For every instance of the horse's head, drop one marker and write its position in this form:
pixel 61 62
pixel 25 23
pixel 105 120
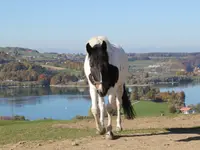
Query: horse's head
pixel 100 68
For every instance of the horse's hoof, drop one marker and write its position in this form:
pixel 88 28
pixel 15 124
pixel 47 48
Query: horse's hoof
pixel 101 132
pixel 109 136
pixel 118 129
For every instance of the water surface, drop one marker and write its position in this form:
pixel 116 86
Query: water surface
pixel 63 103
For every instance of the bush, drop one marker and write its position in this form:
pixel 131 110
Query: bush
pixel 79 117
pixel 172 109
pixel 17 117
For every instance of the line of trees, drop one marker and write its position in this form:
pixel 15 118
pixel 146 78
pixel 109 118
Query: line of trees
pixel 176 100
pixel 29 72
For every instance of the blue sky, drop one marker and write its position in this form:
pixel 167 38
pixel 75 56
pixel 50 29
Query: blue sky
pixel 67 24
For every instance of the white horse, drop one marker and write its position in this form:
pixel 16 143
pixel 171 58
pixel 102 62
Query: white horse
pixel 106 69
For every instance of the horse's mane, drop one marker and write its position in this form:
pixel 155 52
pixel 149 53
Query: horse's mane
pixel 97 40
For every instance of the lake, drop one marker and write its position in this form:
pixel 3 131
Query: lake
pixel 63 103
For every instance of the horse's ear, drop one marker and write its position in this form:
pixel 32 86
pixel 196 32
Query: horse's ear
pixel 88 48
pixel 104 45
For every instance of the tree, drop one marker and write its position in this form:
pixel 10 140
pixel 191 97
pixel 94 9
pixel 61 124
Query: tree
pixel 197 108
pixel 134 94
pixel 172 109
pixel 146 89
pixel 151 94
pixel 182 96
pixel 16 52
pixel 44 80
pixel 146 75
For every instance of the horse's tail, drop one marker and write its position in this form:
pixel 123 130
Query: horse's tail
pixel 129 111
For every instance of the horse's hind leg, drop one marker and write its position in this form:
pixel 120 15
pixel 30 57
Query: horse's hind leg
pixel 94 109
pixel 109 108
pixel 118 104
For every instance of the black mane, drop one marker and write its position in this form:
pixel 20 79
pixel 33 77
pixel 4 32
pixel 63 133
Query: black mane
pixel 99 57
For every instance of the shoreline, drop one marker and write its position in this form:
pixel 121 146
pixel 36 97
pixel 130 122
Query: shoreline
pixel 82 86
pixel 86 85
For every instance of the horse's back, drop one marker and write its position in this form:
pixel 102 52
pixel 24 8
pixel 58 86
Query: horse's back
pixel 118 58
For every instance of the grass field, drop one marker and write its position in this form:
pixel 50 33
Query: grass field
pixel 15 131
pixel 12 132
pixel 149 108
pixel 141 63
pixel 61 69
pixel 53 67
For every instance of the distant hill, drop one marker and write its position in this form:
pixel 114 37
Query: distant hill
pixel 27 53
pixel 191 59
pixel 17 51
pixel 4 57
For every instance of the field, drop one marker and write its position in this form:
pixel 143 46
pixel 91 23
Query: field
pixel 139 64
pixel 174 132
pixel 53 67
pixel 62 69
pixel 148 108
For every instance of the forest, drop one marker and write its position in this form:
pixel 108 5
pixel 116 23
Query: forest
pixel 30 72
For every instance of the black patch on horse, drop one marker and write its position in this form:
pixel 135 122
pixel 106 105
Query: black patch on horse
pixel 99 63
pixel 113 74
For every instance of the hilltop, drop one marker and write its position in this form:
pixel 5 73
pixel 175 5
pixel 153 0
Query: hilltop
pixel 192 58
pixel 21 51
pixel 16 51
pixel 176 132
pixel 26 53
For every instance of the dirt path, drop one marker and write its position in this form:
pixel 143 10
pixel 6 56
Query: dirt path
pixel 143 123
pixel 176 139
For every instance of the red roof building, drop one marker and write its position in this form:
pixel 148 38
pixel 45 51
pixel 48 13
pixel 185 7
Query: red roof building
pixel 185 110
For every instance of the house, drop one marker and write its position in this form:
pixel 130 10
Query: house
pixel 197 70
pixel 186 110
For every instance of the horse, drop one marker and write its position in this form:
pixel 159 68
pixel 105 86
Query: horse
pixel 106 70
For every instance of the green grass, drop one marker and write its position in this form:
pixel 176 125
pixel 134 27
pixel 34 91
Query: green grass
pixel 42 130
pixel 71 71
pixel 63 69
pixel 53 67
pixel 15 131
pixel 142 63
pixel 149 108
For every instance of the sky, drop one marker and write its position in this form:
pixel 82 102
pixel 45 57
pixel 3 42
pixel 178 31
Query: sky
pixel 66 25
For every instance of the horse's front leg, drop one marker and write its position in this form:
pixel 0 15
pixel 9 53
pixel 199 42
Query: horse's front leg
pixel 102 115
pixel 94 109
pixel 109 108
